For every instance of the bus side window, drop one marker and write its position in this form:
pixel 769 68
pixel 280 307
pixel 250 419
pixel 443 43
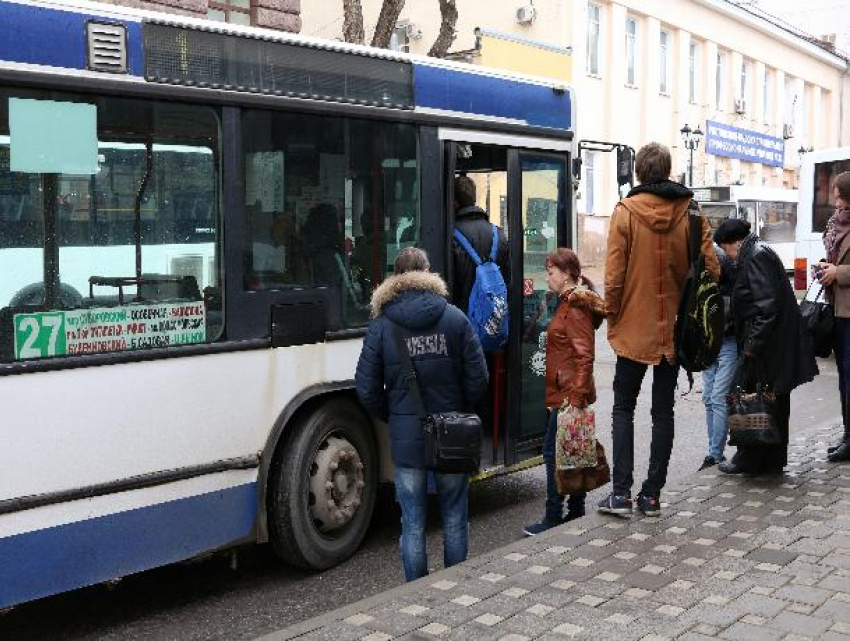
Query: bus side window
pixel 329 204
pixel 87 268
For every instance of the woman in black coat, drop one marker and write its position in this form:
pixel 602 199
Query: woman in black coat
pixel 770 334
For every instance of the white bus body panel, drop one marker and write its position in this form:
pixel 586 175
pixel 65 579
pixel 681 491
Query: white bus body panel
pixel 809 243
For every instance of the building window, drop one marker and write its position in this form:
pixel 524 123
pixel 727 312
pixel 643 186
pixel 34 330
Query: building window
pixel 765 96
pixel 718 81
pixel 399 40
pixel 235 11
pixel 791 100
pixel 589 181
pixel 693 75
pixel 594 14
pixel 804 112
pixel 631 37
pixel 664 63
pixel 745 80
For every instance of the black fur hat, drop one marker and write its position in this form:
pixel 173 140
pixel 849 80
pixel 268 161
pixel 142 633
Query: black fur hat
pixel 731 230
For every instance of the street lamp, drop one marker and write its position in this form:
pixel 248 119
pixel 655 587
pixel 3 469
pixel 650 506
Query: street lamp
pixel 692 138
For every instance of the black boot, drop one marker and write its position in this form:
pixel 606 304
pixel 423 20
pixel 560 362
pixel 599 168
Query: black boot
pixel 841 452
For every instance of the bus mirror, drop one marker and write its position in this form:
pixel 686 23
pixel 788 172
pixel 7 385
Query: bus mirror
pixel 577 169
pixel 625 166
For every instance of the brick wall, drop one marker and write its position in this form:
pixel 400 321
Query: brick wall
pixel 284 15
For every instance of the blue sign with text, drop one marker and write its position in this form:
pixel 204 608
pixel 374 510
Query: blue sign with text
pixel 743 144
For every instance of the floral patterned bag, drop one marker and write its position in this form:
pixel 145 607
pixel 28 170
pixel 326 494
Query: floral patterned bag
pixel 580 464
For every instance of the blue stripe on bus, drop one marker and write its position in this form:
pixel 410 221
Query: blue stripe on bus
pixel 42 36
pixel 475 94
pixel 57 559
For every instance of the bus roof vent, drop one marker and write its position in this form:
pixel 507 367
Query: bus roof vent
pixel 107 47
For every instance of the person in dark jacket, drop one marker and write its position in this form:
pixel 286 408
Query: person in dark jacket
pixel 718 376
pixel 452 375
pixel 770 336
pixel 474 224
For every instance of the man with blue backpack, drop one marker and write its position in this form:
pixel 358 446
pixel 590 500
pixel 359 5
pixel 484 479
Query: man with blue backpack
pixel 481 274
pixel 481 264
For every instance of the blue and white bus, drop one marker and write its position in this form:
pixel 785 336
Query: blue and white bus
pixel 193 216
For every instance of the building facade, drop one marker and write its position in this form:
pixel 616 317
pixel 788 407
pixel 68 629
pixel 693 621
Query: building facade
pixel 283 15
pixel 643 69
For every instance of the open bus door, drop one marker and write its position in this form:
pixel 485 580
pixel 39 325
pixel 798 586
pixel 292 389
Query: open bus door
pixel 528 194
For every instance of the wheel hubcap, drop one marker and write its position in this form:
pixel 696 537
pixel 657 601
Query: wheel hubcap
pixel 336 484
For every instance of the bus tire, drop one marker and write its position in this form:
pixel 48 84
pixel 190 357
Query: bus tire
pixel 323 487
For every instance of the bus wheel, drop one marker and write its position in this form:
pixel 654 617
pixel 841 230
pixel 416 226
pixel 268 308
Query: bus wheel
pixel 323 487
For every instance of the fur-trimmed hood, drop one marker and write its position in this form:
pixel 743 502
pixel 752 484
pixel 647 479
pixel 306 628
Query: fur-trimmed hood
pixel 413 299
pixel 584 298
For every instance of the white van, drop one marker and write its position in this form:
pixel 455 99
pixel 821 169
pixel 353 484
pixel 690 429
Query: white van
pixel 817 171
pixel 772 212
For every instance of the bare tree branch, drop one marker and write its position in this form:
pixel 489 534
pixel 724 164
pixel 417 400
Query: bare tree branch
pixel 352 25
pixel 390 11
pixel 448 12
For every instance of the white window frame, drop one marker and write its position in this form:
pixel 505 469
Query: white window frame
pixel 664 62
pixel 693 73
pixel 745 81
pixel 765 90
pixel 589 181
pixel 631 51
pixel 594 36
pixel 720 80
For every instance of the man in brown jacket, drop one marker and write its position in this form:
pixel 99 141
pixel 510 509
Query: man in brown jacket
pixel 645 271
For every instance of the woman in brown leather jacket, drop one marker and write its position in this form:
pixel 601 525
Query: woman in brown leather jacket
pixel 570 350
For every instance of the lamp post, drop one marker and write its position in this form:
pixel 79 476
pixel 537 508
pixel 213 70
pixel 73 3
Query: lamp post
pixel 692 138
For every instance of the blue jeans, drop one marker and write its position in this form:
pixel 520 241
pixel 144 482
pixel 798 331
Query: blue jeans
pixel 715 385
pixel 554 501
pixel 412 492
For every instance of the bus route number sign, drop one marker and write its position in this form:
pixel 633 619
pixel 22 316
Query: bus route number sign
pixel 39 335
pixel 108 329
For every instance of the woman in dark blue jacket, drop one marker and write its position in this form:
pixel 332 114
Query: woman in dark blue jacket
pixel 452 376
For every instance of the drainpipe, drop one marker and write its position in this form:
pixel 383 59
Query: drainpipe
pixel 841 102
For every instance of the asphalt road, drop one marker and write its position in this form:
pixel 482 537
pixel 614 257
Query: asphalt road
pixel 212 599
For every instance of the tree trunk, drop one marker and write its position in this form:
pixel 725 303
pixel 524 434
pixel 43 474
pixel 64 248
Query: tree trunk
pixel 448 12
pixel 390 11
pixel 352 25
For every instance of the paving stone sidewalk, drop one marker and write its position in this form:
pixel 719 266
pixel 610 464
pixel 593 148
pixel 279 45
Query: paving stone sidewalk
pixel 731 557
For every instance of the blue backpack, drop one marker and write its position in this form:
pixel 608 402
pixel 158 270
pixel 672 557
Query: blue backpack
pixel 488 300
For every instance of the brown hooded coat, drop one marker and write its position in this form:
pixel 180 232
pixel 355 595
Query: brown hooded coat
pixel 645 271
pixel 570 348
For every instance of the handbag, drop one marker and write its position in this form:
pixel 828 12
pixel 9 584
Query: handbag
pixel 452 440
pixel 818 318
pixel 580 463
pixel 752 414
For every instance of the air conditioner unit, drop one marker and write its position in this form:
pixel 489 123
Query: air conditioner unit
pixel 526 14
pixel 740 106
pixel 413 31
pixel 787 130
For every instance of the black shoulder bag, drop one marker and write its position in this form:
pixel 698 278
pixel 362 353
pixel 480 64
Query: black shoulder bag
pixel 452 439
pixel 818 319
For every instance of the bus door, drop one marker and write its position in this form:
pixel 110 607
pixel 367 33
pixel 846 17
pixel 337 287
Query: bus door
pixel 525 193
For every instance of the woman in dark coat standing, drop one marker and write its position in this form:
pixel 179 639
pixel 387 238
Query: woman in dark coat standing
pixel 834 275
pixel 770 335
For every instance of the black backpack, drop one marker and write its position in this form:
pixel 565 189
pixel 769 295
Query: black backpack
pixel 700 321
